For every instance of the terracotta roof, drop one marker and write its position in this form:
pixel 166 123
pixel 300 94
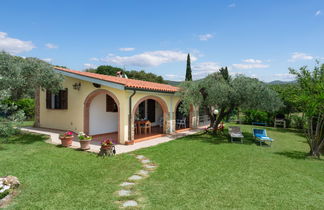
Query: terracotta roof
pixel 130 83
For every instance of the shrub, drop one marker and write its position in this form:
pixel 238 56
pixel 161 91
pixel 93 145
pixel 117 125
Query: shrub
pixel 257 116
pixel 7 129
pixel 28 106
pixel 297 122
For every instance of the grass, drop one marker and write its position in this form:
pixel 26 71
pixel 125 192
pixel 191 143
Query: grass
pixel 206 172
pixel 62 178
pixel 195 172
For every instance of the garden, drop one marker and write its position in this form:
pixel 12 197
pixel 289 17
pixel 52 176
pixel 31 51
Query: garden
pixel 205 170
pixel 195 172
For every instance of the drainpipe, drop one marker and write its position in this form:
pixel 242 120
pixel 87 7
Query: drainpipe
pixel 130 116
pixel 171 115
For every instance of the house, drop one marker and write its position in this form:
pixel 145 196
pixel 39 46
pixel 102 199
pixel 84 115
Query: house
pixel 102 105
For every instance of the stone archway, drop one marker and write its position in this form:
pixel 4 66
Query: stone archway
pixel 162 103
pixel 86 110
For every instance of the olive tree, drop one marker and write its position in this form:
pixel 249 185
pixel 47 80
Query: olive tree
pixel 23 77
pixel 311 98
pixel 225 93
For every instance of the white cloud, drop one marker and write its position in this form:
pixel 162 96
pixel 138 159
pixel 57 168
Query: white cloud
pixel 90 66
pixel 251 60
pixel 201 70
pixel 285 77
pixel 205 37
pixel 14 46
pixel 300 56
pixel 126 49
pixel 48 60
pixel 148 59
pixel 51 46
pixel 94 59
pixel 318 12
pixel 232 5
pixel 251 64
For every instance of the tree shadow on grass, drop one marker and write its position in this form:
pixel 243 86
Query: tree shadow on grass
pixel 23 138
pixel 221 138
pixel 297 155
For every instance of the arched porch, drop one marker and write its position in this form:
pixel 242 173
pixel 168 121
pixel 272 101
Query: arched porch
pixel 149 118
pixel 102 116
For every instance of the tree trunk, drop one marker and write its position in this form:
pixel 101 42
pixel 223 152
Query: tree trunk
pixel 315 135
pixel 37 108
pixel 222 114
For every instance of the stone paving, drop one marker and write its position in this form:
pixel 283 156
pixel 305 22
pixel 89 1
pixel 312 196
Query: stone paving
pixel 132 181
pixel 54 139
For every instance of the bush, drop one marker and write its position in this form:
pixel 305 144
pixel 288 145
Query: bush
pixel 28 106
pixel 257 116
pixel 7 129
pixel 10 126
pixel 297 122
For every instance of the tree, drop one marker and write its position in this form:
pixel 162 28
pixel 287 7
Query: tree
pixel 311 98
pixel 188 69
pixel 108 70
pixel 287 93
pixel 23 77
pixel 132 74
pixel 224 93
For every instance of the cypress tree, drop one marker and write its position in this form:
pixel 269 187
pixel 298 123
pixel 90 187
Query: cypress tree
pixel 188 69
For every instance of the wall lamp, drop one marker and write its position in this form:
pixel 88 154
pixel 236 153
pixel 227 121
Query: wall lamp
pixel 77 86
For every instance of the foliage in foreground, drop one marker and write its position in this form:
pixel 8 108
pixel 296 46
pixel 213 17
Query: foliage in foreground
pixel 311 99
pixel 221 91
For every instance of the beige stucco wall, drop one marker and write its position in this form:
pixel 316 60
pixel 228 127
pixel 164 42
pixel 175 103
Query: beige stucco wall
pixel 73 117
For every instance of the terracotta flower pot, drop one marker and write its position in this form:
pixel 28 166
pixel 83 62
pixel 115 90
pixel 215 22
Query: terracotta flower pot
pixel 85 144
pixel 106 147
pixel 66 141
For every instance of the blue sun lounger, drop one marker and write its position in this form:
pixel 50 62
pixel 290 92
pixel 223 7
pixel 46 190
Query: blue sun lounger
pixel 260 135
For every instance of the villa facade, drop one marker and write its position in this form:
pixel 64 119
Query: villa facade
pixel 101 105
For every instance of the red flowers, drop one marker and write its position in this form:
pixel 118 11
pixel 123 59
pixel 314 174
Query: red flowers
pixel 67 134
pixel 106 142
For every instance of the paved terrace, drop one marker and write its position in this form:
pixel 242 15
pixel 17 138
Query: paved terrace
pixel 54 139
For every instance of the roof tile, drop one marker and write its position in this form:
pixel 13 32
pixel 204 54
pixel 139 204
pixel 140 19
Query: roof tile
pixel 130 83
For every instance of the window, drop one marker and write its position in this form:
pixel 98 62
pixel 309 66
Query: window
pixel 57 101
pixel 111 105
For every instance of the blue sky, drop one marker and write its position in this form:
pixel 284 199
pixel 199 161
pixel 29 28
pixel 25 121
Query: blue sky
pixel 257 38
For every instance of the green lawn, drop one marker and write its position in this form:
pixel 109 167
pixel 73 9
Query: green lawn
pixel 194 172
pixel 202 172
pixel 61 178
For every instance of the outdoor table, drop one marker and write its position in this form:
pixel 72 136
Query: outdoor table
pixel 146 124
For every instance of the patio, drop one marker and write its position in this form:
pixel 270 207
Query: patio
pixel 95 144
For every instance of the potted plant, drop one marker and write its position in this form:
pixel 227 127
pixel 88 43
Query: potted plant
pixel 84 141
pixel 107 148
pixel 107 144
pixel 67 138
